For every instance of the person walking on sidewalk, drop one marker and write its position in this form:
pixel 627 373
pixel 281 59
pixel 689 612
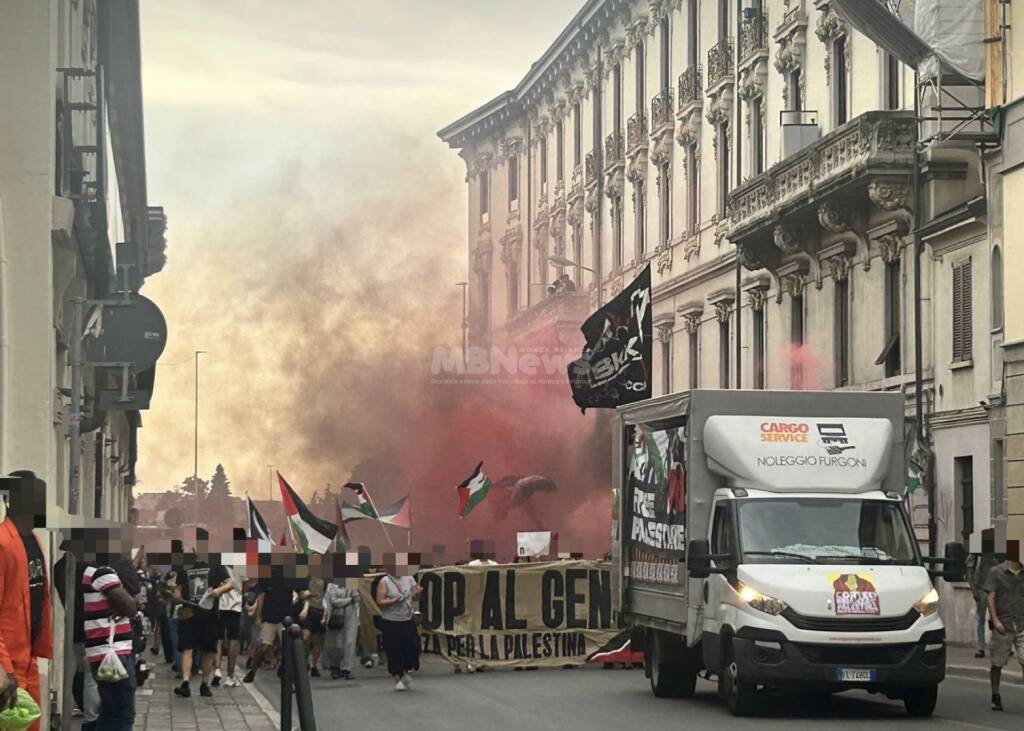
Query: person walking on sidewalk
pixel 978 567
pixel 395 596
pixel 198 623
pixel 341 618
pixel 1005 585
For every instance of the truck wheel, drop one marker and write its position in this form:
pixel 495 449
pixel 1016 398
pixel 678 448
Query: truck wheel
pixel 686 683
pixel 920 702
pixel 660 672
pixel 740 696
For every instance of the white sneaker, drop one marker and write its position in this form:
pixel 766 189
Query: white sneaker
pixel 399 685
pixel 407 681
pixel 231 683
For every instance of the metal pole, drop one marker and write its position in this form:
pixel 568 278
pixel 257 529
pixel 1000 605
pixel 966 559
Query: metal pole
pixel 270 481
pixel 303 693
pixel 70 656
pixel 195 453
pixel 74 428
pixel 739 328
pixel 286 676
pixel 465 321
pixel 918 344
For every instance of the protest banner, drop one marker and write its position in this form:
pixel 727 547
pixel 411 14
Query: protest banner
pixel 516 615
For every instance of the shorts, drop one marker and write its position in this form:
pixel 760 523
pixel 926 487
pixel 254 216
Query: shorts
pixel 1001 647
pixel 314 622
pixel 269 631
pixel 199 632
pixel 230 625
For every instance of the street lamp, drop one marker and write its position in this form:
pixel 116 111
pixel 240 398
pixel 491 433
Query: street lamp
pixel 195 453
pixel 465 321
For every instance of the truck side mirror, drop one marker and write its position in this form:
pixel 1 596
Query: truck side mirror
pixel 698 559
pixel 954 568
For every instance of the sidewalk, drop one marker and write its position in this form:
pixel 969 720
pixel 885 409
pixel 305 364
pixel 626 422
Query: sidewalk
pixel 233 709
pixel 961 661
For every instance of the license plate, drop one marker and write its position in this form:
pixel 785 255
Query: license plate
pixel 854 675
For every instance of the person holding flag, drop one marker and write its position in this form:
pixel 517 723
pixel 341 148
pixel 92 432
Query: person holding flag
pixel 310 533
pixel 473 490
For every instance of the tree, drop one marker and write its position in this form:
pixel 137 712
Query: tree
pixel 219 506
pixel 220 485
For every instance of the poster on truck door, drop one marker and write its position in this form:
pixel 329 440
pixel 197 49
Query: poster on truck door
pixel 655 506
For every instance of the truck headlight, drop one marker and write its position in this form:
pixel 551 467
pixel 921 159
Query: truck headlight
pixel 756 600
pixel 928 604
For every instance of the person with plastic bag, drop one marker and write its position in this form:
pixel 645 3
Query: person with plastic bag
pixel 108 645
pixel 25 631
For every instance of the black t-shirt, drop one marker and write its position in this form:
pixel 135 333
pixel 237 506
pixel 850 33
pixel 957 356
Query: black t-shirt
pixel 195 580
pixel 36 582
pixel 277 599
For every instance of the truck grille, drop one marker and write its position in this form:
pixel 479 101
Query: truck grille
pixel 871 655
pixel 846 624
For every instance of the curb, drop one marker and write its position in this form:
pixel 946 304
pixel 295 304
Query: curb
pixel 973 671
pixel 264 704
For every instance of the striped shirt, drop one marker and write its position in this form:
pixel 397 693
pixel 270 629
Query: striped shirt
pixel 97 582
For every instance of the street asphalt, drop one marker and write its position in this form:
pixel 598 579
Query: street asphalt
pixel 594 698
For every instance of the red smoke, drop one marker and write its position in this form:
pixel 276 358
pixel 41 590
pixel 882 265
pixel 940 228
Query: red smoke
pixel 808 370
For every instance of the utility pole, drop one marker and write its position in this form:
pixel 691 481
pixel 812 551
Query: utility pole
pixel 270 481
pixel 195 452
pixel 465 321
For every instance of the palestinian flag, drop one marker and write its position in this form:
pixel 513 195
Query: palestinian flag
pixel 309 533
pixel 363 503
pixel 397 514
pixel 473 490
pixel 617 649
pixel 257 526
pixel 341 541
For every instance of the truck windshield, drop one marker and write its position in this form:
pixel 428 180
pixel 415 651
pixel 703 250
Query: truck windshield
pixel 824 530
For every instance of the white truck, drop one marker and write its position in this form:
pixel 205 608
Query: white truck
pixel 761 538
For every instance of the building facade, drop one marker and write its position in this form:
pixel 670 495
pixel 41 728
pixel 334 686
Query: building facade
pixel 760 155
pixel 74 223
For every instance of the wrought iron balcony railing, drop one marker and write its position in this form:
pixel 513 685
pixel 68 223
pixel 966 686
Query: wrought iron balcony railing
pixel 636 131
pixel 691 86
pixel 661 110
pixel 590 168
pixel 613 148
pixel 753 36
pixel 720 66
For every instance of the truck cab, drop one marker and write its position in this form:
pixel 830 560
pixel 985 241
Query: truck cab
pixel 801 569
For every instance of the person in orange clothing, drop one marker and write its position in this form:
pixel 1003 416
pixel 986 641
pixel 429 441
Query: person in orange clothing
pixel 25 631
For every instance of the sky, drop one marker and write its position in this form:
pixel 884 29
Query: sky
pixel 317 225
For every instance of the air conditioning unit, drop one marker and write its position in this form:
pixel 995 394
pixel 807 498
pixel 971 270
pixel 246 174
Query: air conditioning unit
pixel 799 129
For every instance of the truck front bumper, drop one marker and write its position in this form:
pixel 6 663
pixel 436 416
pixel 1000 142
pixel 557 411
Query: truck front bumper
pixel 767 657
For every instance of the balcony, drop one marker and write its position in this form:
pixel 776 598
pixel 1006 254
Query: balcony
pixel 590 169
pixel 691 87
pixel 754 37
pixel 662 123
pixel 720 68
pixel 867 161
pixel 614 150
pixel 636 132
pixel 559 315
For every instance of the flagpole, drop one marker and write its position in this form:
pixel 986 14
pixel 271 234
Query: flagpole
pixel 377 519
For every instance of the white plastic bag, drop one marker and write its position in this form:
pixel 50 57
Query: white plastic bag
pixel 111 670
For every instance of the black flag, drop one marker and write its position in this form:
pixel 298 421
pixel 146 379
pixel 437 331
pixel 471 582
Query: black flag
pixel 615 367
pixel 257 526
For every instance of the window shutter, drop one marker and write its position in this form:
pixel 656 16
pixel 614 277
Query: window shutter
pixel 957 313
pixel 967 316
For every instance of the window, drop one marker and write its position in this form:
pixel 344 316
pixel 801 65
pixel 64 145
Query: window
pixel 513 289
pixel 485 196
pixel 758 333
pixel 577 250
pixel 559 151
pixel 641 79
pixel 98 477
pixel 723 353
pixel 666 70
pixel 617 99
pixel 640 213
pixel 513 183
pixel 891 356
pixel 692 39
pixel 664 204
pixel 722 530
pixel 723 19
pixel 796 321
pixel 577 135
pixel 723 168
pixel 692 188
pixel 756 137
pixel 617 232
pixel 839 91
pixel 544 165
pixel 997 288
pixel 891 81
pixel 793 90
pixel 962 351
pixel 963 474
pixel 666 362
pixel 695 358
pixel 485 303
pixel 842 332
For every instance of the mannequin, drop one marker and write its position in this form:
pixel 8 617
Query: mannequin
pixel 25 631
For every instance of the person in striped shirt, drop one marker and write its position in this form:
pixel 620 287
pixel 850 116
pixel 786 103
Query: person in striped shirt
pixel 106 603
